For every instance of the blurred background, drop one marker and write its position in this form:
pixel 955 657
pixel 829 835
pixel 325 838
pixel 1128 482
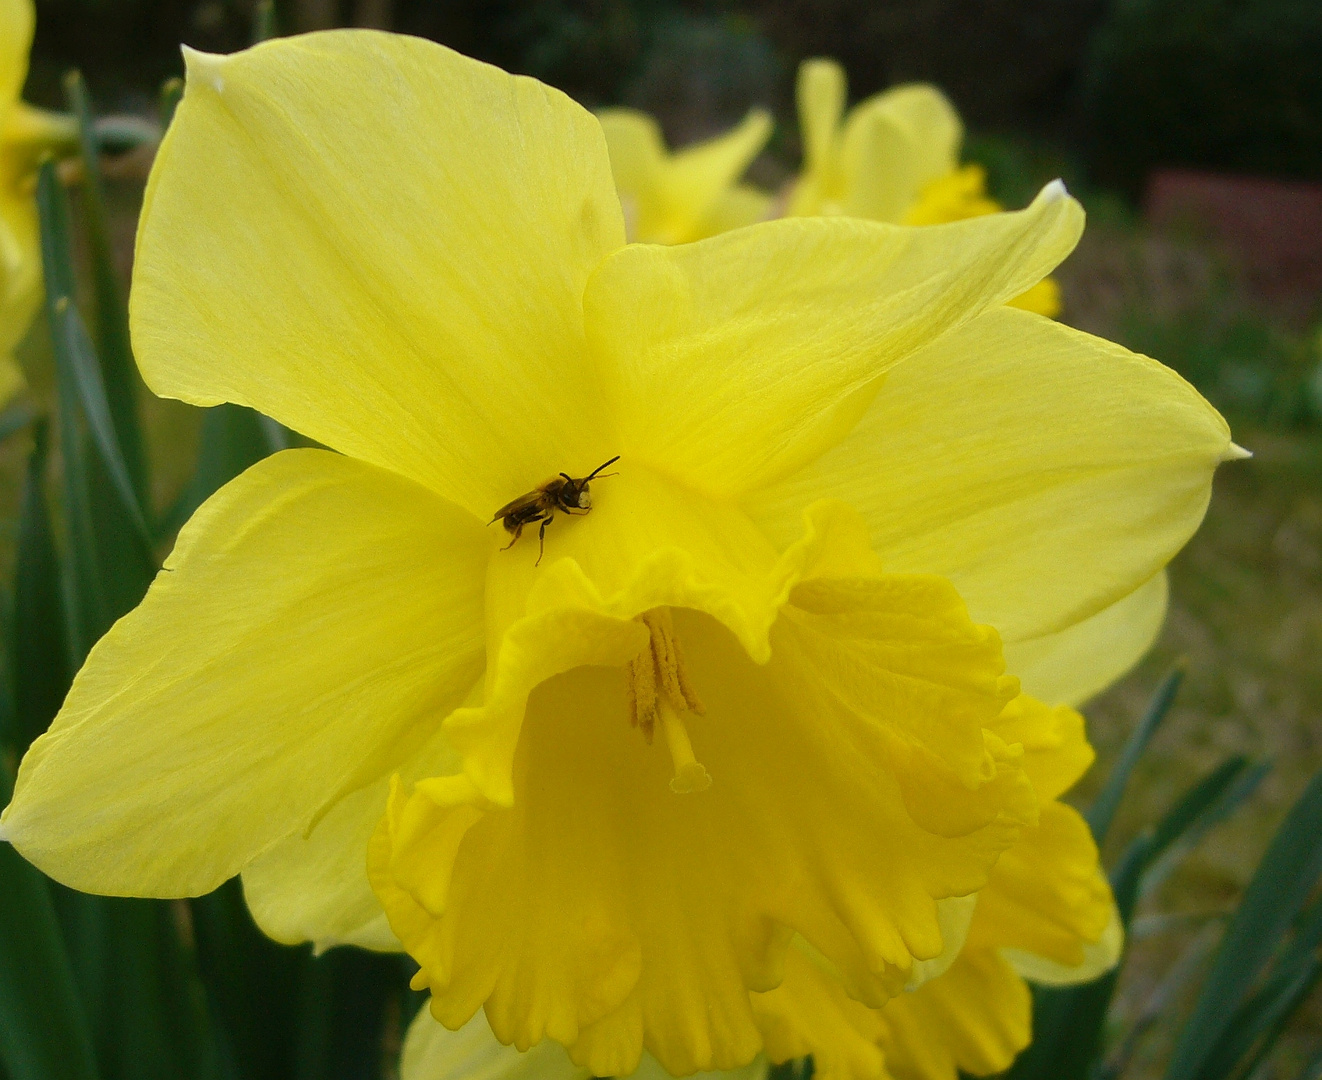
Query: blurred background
pixel 1192 132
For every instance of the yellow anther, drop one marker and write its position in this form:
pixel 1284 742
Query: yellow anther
pixel 659 689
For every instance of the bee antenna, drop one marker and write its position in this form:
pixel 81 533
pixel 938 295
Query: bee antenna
pixel 603 465
pixel 567 477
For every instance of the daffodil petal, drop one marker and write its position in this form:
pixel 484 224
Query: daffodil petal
pixel 893 145
pixel 637 150
pixel 316 621
pixel 20 255
pixel 1047 473
pixel 880 167
pixel 681 197
pixel 699 175
pixel 927 117
pixel 313 886
pixel 1055 748
pixel 821 100
pixel 383 244
pixel 810 1013
pixel 434 1052
pixel 974 1020
pixel 1072 665
pixel 825 305
pixel 17 20
pixel 1044 298
pixel 1099 957
pixel 1047 894
pixel 741 205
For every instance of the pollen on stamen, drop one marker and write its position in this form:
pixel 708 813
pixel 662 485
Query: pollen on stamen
pixel 659 690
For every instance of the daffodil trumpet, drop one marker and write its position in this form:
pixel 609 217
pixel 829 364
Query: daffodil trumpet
pixel 774 701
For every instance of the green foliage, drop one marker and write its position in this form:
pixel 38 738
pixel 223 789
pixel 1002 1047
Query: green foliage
pixel 1247 367
pixel 1220 84
pixel 1267 962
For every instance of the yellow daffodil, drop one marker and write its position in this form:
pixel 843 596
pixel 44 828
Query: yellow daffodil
pixel 25 133
pixel 894 157
pixel 739 701
pixel 673 198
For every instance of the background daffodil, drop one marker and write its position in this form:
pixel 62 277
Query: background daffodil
pixel 25 133
pixel 894 157
pixel 692 193
pixel 755 696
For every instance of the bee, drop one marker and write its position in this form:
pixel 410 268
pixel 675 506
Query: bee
pixel 562 493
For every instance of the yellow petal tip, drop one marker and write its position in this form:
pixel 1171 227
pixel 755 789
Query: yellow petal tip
pixel 1235 452
pixel 204 68
pixel 1054 192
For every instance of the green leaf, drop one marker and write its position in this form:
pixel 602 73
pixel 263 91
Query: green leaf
pixel 84 602
pixel 43 1032
pixel 122 384
pixel 233 438
pixel 1313 1070
pixel 1244 784
pixel 1207 802
pixel 1258 1023
pixel 109 562
pixel 136 975
pixel 1102 812
pixel 1069 1024
pixel 38 651
pixel 354 1014
pixel 80 374
pixel 1274 897
pixel 264 26
pixel 252 983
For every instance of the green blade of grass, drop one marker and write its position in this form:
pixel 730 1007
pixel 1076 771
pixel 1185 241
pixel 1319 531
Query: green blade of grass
pixel 1259 1022
pixel 116 364
pixel 1069 1024
pixel 1274 897
pixel 264 26
pixel 1244 785
pixel 1313 1070
pixel 37 651
pixel 1102 812
pixel 79 372
pixel 251 981
pixel 1250 1034
pixel 43 1032
pixel 84 602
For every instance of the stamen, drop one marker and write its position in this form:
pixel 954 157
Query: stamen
pixel 659 689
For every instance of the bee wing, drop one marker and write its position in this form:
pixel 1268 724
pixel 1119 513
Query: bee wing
pixel 521 504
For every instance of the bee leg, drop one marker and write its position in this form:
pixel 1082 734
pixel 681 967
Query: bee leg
pixel 518 531
pixel 541 539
